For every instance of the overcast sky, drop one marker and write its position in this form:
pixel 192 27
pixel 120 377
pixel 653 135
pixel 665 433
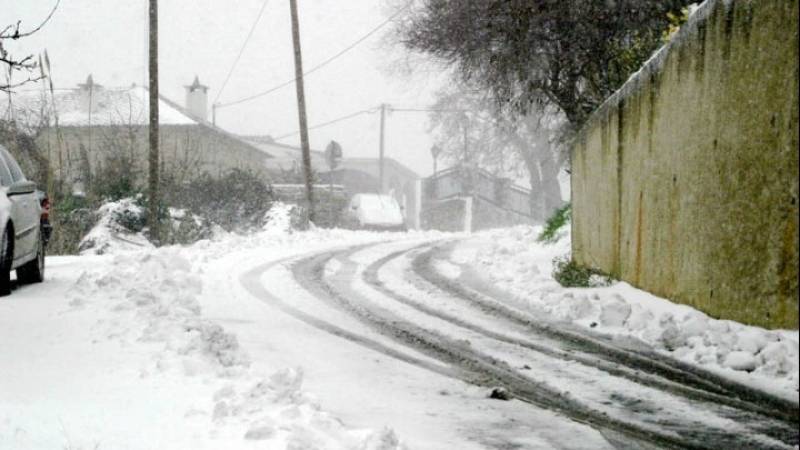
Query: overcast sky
pixel 203 37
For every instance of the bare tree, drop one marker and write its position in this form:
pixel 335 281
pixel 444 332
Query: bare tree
pixel 25 64
pixel 470 129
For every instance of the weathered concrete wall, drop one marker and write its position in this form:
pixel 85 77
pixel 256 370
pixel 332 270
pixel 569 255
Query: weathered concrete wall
pixel 444 215
pixel 685 183
pixel 487 215
pixel 451 215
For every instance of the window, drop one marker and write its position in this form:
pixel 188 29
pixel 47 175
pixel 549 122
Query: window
pixel 13 167
pixel 5 174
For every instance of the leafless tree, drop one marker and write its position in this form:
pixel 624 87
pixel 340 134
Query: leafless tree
pixel 25 64
pixel 468 128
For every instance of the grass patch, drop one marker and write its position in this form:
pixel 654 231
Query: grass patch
pixel 559 219
pixel 569 274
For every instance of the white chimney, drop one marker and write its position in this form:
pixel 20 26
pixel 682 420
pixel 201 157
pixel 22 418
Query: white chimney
pixel 89 93
pixel 197 100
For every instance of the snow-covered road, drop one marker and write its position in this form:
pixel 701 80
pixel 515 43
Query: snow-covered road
pixel 633 396
pixel 337 339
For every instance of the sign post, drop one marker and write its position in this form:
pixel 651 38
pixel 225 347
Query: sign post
pixel 435 151
pixel 333 154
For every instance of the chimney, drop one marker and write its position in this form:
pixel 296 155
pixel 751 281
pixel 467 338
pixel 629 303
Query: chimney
pixel 197 100
pixel 89 93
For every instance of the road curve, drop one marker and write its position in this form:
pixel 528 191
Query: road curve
pixel 635 397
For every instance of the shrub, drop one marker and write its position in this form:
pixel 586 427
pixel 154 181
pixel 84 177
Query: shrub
pixel 559 219
pixel 236 201
pixel 569 274
pixel 72 217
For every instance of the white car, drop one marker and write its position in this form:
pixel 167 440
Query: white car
pixel 22 245
pixel 374 212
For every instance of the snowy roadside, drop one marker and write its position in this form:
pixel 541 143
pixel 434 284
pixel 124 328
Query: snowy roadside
pixel 513 261
pixel 115 351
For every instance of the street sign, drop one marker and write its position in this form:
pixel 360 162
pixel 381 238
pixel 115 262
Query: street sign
pixel 333 154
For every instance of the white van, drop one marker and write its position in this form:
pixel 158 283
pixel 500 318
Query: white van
pixel 374 212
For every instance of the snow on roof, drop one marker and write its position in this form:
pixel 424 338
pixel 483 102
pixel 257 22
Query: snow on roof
pixel 285 157
pixel 110 106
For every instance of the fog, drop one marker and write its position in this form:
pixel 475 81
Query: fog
pixel 203 37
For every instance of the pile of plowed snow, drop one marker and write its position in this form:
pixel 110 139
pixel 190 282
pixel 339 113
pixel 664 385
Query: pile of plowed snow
pixel 145 302
pixel 515 262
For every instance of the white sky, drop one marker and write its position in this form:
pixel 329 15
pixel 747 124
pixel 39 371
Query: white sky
pixel 107 38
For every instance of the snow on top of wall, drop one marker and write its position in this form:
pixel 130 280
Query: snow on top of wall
pixel 697 15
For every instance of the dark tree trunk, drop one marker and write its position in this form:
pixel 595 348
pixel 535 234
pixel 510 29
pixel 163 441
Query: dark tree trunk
pixel 551 189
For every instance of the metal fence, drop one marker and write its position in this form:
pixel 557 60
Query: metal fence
pixel 463 181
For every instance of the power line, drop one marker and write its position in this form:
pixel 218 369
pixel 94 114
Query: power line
pixel 331 122
pixel 320 65
pixel 430 110
pixel 241 50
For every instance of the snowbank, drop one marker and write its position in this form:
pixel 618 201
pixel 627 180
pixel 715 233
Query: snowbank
pixel 514 262
pixel 149 299
pixel 110 235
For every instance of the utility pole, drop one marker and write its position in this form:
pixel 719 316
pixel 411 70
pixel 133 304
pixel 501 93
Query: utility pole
pixel 301 109
pixel 153 172
pixel 381 150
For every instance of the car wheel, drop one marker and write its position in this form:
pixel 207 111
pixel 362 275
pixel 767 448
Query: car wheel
pixel 5 264
pixel 33 271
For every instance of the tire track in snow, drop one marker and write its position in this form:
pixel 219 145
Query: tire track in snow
pixel 485 370
pixel 251 281
pixel 615 369
pixel 745 399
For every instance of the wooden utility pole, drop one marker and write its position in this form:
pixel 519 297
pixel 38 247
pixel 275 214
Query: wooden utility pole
pixel 381 150
pixel 153 172
pixel 301 109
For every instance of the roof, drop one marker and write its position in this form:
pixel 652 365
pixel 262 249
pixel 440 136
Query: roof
pixel 110 106
pixel 371 166
pixel 285 157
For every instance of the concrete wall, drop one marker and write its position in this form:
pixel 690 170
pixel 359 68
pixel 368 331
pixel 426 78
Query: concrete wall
pixel 486 215
pixel 685 183
pixel 444 215
pixel 454 214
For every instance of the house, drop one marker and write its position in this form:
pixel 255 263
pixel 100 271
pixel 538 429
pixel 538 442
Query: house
pixel 97 126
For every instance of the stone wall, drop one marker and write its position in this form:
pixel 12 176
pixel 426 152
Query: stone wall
pixel 685 183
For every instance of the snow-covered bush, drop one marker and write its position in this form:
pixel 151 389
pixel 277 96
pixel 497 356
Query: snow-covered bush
pixel 284 218
pixel 121 225
pixel 235 201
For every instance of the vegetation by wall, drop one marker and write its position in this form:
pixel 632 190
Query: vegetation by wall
pixel 685 182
